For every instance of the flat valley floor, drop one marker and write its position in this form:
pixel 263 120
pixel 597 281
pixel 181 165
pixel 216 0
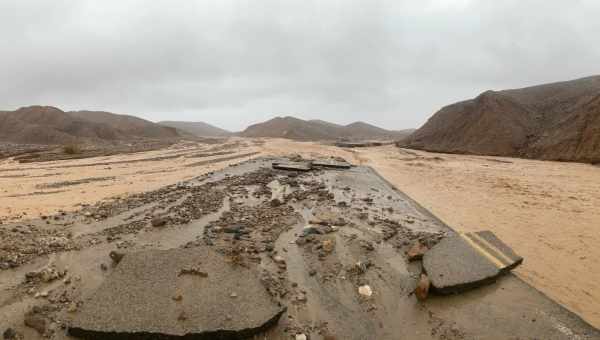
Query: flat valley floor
pixel 547 211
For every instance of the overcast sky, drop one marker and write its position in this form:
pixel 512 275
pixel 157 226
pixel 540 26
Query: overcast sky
pixel 232 63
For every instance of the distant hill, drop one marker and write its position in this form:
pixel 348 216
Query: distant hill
pixel 294 128
pixel 558 121
pixel 50 125
pixel 199 129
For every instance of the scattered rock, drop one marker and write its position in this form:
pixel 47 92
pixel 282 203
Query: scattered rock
pixel 280 261
pixel 234 229
pixel 182 316
pixel 310 230
pixel 360 267
pixel 192 271
pixel 45 275
pixel 159 222
pixel 116 256
pixel 9 334
pixel 41 295
pixel 366 245
pixel 328 246
pixel 365 291
pixel 301 297
pixel 72 307
pixel 422 289
pixel 37 320
pixel 417 251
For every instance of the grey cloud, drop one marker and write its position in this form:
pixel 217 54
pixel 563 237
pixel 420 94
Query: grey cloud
pixel 232 63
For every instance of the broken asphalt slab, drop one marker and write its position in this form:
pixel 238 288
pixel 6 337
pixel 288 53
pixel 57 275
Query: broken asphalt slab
pixel 464 261
pixel 292 166
pixel 177 294
pixel 330 163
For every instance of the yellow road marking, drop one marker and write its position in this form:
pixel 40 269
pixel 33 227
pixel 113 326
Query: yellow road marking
pixel 490 257
pixel 494 248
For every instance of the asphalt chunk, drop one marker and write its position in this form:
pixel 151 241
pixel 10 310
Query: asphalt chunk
pixel 136 301
pixel 292 166
pixel 466 261
pixel 330 163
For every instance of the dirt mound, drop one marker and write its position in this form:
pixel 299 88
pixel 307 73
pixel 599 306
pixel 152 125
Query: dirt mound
pixel 50 125
pixel 294 128
pixel 558 121
pixel 199 129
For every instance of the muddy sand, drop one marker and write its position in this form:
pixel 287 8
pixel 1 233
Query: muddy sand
pixel 529 204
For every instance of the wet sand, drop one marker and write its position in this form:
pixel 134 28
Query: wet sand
pixel 547 211
pixel 28 190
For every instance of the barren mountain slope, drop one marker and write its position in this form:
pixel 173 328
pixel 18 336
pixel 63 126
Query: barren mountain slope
pixel 554 121
pixel 575 137
pixel 294 128
pixel 199 129
pixel 128 125
pixel 50 125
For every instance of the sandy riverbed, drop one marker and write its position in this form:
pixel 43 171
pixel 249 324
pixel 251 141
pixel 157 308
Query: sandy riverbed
pixel 547 211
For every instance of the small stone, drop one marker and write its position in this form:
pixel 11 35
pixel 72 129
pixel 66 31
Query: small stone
pixel 159 221
pixel 301 337
pixel 177 297
pixel 116 256
pixel 422 289
pixel 233 295
pixel 417 251
pixel 279 260
pixel 182 316
pixel 192 271
pixel 36 320
pixel 365 291
pixel 368 246
pixel 301 298
pixel 310 230
pixel 41 295
pixel 72 308
pixel 9 334
pixel 312 272
pixel 328 246
pixel 301 241
pixel 233 229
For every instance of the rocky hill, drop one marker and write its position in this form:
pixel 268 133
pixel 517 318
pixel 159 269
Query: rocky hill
pixel 294 128
pixel 558 121
pixel 199 129
pixel 50 125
